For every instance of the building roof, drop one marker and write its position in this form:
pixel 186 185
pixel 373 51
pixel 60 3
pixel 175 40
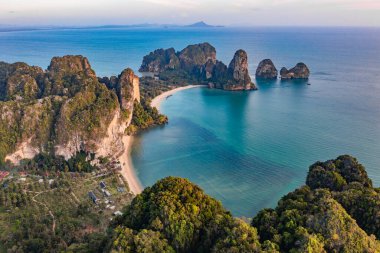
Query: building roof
pixel 92 196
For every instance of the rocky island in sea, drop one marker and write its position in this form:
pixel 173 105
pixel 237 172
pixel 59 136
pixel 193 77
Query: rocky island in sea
pixel 197 64
pixel 266 70
pixel 300 71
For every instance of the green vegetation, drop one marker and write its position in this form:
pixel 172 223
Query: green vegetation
pixel 42 163
pixel 21 121
pixel 144 116
pixel 353 190
pixel 336 174
pixel 87 114
pixel 53 213
pixel 182 218
pixel 151 88
pixel 62 106
pixel 179 78
pixel 50 211
pixel 323 213
pixel 176 215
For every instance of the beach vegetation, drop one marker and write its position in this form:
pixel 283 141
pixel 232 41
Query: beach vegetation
pixel 145 116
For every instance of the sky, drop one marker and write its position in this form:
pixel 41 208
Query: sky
pixel 217 12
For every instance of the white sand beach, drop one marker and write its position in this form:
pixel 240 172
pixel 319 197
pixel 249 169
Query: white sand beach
pixel 156 102
pixel 128 172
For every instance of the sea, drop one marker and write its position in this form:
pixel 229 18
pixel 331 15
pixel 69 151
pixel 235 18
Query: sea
pixel 246 149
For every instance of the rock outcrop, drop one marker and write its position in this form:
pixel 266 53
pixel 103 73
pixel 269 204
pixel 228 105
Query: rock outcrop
pixel 237 73
pixel 300 71
pixel 159 61
pixel 63 110
pixel 193 57
pixel 198 65
pixel 214 73
pixel 19 81
pixel 127 89
pixel 266 70
pixel 67 75
pixel 70 65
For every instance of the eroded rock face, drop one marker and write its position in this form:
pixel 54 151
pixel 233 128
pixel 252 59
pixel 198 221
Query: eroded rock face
pixel 266 70
pixel 300 71
pixel 159 61
pixel 238 76
pixel 214 73
pixel 127 89
pixel 195 56
pixel 66 108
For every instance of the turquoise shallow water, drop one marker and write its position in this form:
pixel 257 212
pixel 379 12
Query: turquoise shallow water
pixel 246 149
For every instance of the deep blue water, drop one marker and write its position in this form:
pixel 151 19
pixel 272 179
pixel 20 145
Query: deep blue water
pixel 246 149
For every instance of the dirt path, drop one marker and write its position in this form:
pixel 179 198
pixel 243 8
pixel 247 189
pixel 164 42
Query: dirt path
pixel 45 206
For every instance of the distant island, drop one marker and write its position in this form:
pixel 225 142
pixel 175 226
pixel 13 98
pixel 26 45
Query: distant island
pixel 202 24
pixel 15 28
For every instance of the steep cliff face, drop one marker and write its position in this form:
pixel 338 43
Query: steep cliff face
pixel 193 57
pixel 95 120
pixel 128 89
pixel 160 60
pixel 300 71
pixel 26 127
pixel 63 110
pixel 215 73
pixel 266 70
pixel 237 73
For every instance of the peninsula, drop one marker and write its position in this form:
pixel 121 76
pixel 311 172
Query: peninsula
pixel 197 64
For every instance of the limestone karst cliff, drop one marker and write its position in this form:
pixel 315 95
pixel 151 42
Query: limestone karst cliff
pixel 237 74
pixel 266 70
pixel 159 61
pixel 193 57
pixel 198 64
pixel 62 110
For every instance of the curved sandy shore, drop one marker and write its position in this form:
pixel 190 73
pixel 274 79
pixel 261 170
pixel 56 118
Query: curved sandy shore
pixel 156 102
pixel 127 171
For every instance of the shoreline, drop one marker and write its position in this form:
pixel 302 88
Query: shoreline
pixel 128 171
pixel 156 102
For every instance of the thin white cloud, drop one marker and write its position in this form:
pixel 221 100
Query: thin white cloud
pixel 181 4
pixel 224 12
